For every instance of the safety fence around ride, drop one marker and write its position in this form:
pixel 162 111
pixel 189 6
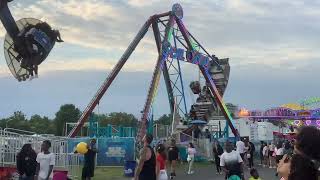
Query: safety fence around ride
pixel 12 141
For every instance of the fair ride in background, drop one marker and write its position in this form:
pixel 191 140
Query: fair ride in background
pixel 175 45
pixel 307 113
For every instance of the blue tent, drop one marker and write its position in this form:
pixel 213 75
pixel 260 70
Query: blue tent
pixel 198 122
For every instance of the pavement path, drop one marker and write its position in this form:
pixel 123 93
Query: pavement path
pixel 208 172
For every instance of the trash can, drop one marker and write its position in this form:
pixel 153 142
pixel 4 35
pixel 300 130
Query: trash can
pixel 129 168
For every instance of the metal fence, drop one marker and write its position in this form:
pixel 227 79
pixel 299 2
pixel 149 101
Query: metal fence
pixel 12 140
pixel 161 131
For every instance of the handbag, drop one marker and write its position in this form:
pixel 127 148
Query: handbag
pixel 188 158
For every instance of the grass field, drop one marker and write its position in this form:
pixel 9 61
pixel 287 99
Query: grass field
pixel 110 173
pixel 116 173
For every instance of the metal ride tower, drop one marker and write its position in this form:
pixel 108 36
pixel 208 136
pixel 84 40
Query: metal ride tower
pixel 175 44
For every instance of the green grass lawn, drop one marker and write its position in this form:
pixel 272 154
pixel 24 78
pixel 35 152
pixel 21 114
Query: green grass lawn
pixel 109 173
pixel 116 173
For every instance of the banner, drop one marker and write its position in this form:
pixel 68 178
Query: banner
pixel 115 151
pixel 111 151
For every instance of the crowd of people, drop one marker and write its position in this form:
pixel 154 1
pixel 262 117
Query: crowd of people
pixel 293 160
pixel 152 164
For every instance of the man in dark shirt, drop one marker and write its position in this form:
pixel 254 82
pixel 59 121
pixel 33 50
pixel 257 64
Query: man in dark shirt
pixel 173 156
pixel 89 161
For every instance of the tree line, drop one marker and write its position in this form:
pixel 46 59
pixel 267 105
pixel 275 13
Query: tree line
pixel 69 113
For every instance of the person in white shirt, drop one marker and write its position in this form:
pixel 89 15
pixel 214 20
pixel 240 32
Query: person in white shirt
pixel 191 154
pixel 272 155
pixel 46 161
pixel 279 152
pixel 231 162
pixel 241 148
pixel 265 152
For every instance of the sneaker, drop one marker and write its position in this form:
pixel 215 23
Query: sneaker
pixel 31 77
pixel 270 167
pixel 192 172
pixel 36 76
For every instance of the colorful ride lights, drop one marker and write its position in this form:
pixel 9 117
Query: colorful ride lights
pixel 308 122
pixel 297 122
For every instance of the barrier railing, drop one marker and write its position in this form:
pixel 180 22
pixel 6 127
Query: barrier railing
pixel 12 142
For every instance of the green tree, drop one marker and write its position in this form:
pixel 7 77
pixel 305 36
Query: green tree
pixel 66 113
pixel 41 125
pixel 17 121
pixel 118 119
pixel 165 119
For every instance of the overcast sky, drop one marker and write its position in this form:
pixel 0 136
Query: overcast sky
pixel 273 46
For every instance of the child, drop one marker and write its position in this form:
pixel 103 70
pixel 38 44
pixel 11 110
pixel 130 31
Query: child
pixel 254 174
pixel 46 161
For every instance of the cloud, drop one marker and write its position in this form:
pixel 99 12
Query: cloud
pixel 234 27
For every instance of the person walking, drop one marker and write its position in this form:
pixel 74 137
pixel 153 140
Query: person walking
pixel 191 155
pixel 26 163
pixel 246 152
pixel 217 152
pixel 252 150
pixel 265 153
pixel 231 162
pixel 146 169
pixel 279 152
pixel 240 148
pixel 261 153
pixel 173 157
pixel 161 171
pixel 272 155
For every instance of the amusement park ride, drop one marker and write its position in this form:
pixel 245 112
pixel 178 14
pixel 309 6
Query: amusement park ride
pixel 27 43
pixel 292 114
pixel 175 44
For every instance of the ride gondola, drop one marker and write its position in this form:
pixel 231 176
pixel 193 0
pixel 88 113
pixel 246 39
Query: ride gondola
pixel 27 43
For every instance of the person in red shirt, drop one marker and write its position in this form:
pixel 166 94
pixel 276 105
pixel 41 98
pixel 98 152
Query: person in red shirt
pixel 161 163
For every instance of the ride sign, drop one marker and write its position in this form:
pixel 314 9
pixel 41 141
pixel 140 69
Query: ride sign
pixel 193 56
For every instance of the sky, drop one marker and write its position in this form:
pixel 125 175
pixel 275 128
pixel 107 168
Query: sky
pixel 273 46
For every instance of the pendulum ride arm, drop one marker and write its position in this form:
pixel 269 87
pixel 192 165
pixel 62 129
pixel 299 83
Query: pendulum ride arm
pixel 7 19
pixel 104 87
pixel 156 75
pixel 209 80
pixel 166 76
